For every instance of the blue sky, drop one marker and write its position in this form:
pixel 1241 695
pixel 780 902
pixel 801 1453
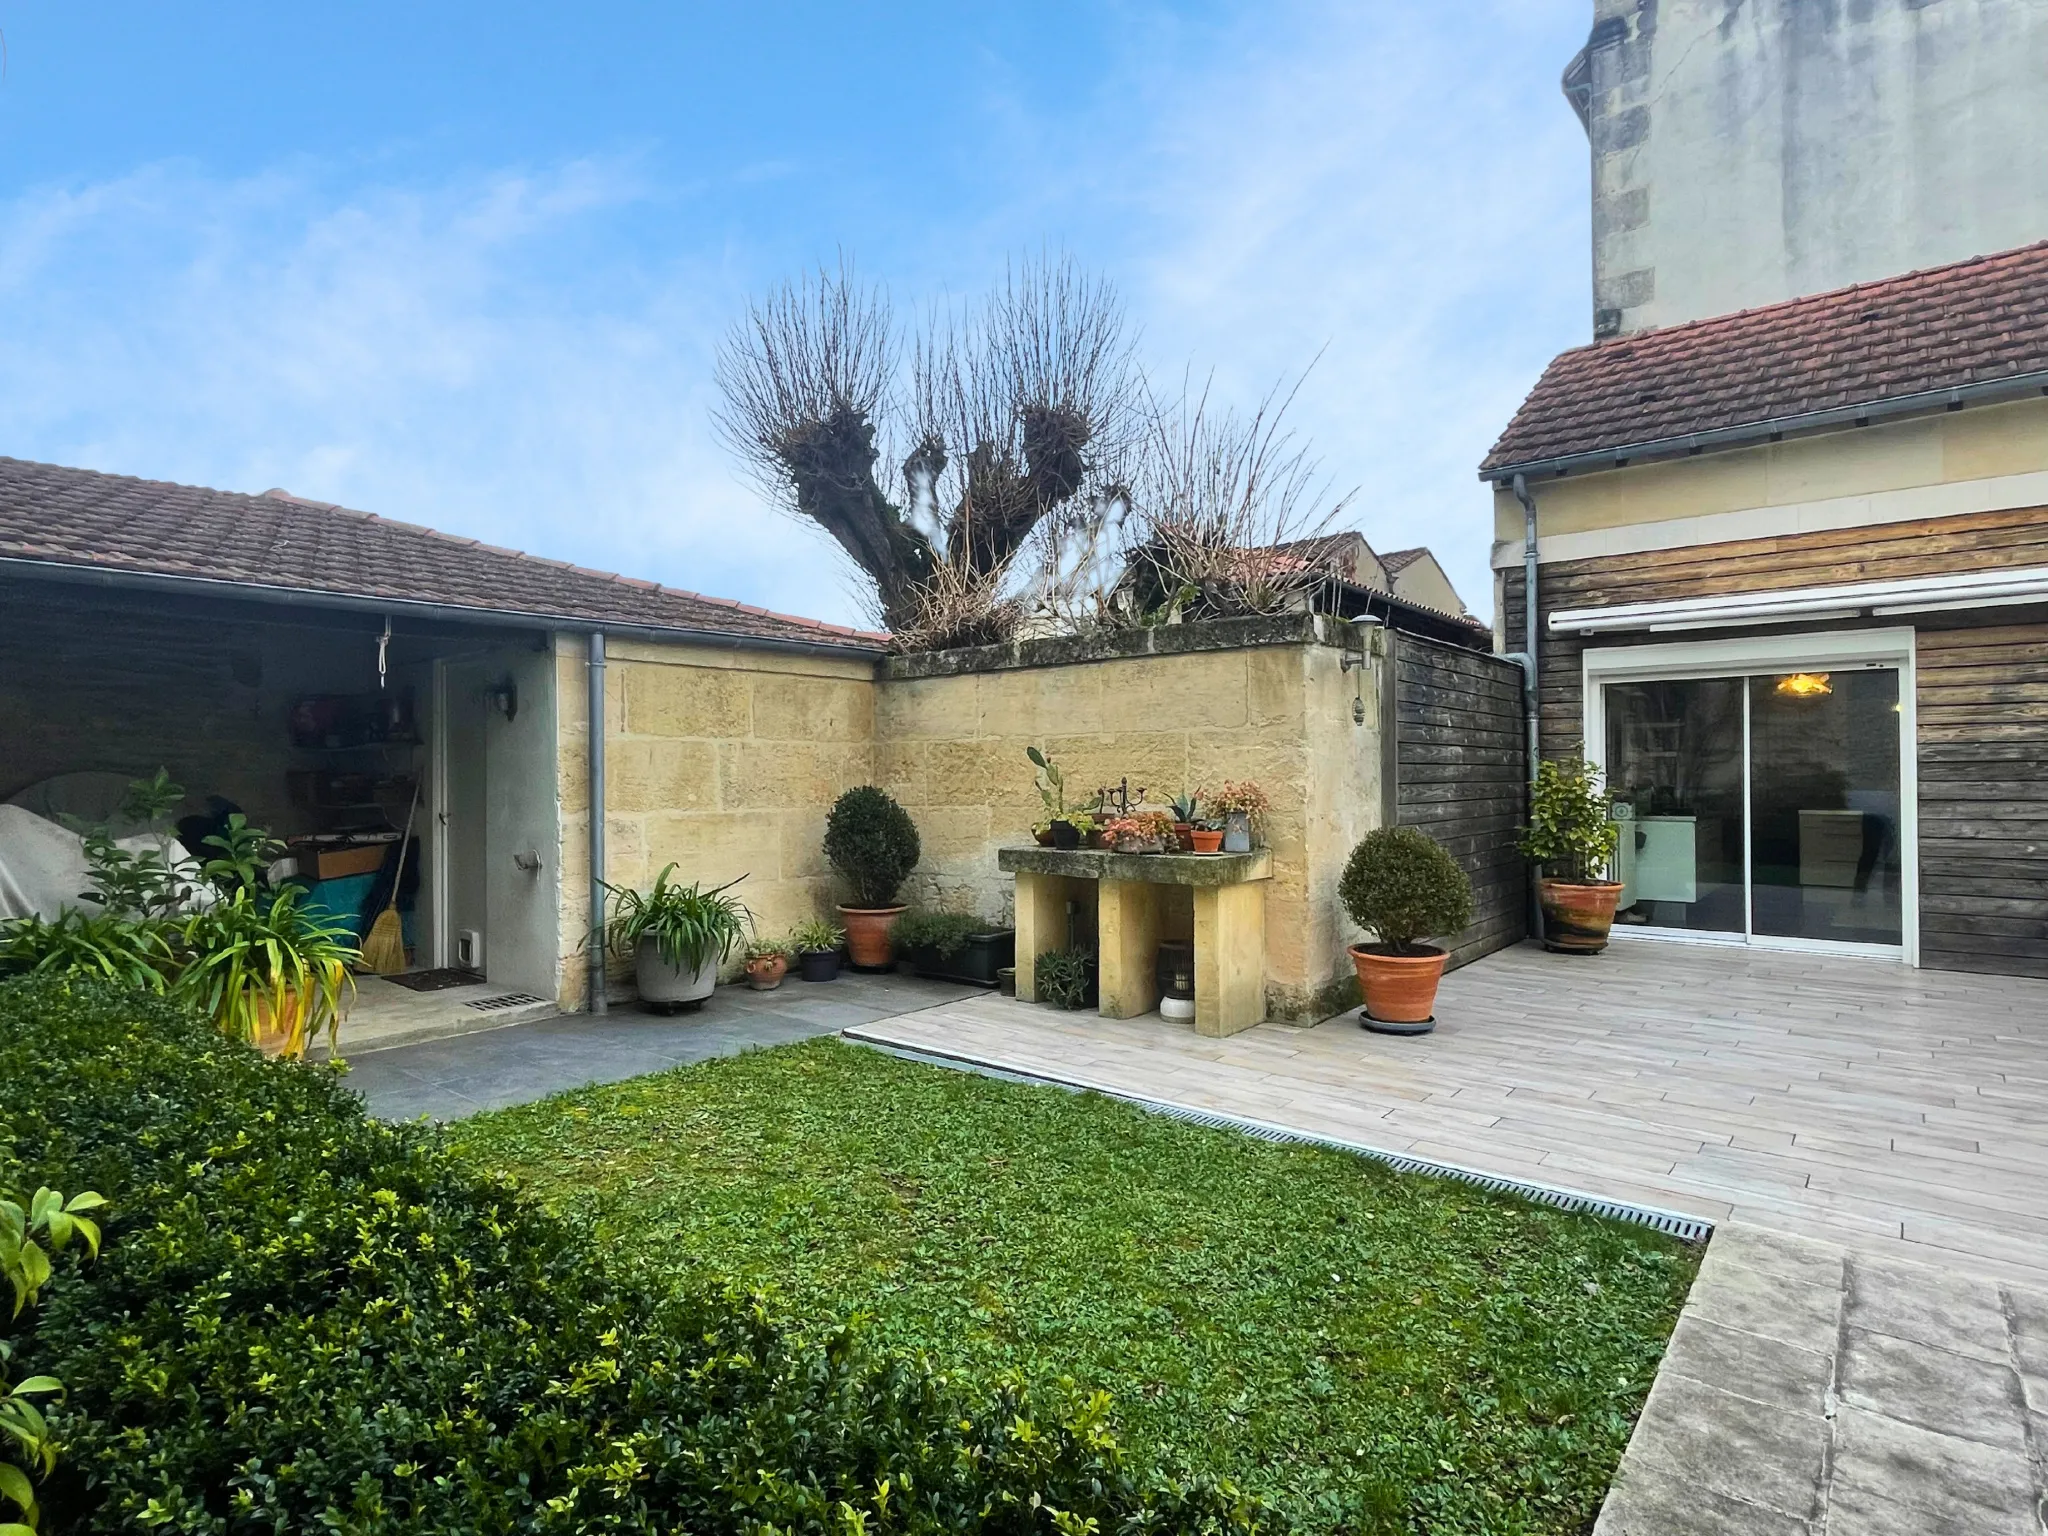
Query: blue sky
pixel 467 265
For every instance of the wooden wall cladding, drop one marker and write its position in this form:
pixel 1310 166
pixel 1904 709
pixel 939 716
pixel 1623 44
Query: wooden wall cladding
pixel 1460 772
pixel 1982 703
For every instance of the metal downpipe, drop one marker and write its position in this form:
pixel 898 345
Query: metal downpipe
pixel 1531 699
pixel 597 890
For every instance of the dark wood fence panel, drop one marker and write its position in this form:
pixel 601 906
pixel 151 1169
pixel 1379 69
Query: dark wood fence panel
pixel 1458 751
pixel 1983 718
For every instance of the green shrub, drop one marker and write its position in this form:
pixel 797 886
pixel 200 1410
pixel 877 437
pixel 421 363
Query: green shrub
pixel 1401 885
pixel 872 841
pixel 1571 830
pixel 303 1320
pixel 944 933
pixel 1062 977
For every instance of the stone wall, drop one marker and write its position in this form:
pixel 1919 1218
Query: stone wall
pixel 1169 709
pixel 722 761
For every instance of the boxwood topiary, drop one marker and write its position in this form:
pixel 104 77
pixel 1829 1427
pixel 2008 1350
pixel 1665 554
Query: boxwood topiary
pixel 1401 885
pixel 872 841
pixel 304 1320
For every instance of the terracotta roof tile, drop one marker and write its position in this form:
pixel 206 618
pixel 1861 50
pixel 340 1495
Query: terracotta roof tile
pixel 114 522
pixel 1973 322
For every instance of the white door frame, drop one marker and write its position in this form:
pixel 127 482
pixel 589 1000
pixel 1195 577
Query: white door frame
pixel 437 815
pixel 1828 650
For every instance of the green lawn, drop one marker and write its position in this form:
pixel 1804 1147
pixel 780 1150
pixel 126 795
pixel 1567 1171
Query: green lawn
pixel 1372 1351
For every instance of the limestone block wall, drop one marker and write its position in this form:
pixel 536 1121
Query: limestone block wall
pixel 1169 709
pixel 723 761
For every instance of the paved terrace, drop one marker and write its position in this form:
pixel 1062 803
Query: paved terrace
pixel 1866 1349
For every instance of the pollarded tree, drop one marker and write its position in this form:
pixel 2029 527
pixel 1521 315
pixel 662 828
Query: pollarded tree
pixel 1014 413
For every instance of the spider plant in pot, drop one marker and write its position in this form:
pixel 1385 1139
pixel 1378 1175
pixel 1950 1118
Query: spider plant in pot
pixel 816 943
pixel 1401 886
pixel 266 970
pixel 766 962
pixel 870 840
pixel 678 936
pixel 1571 835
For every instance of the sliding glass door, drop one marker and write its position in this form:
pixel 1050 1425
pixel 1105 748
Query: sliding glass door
pixel 1766 806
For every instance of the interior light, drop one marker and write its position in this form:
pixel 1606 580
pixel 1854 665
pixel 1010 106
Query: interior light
pixel 1805 685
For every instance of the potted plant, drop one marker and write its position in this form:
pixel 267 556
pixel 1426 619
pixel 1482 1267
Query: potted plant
pixel 1184 808
pixel 1242 807
pixel 1205 837
pixel 267 969
pixel 767 962
pixel 678 935
pixel 1060 830
pixel 1401 886
pixel 1572 837
pixel 1139 832
pixel 816 943
pixel 871 840
pixel 955 946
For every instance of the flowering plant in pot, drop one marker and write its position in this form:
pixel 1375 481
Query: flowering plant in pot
pixel 766 962
pixel 678 935
pixel 1400 885
pixel 816 943
pixel 1572 836
pixel 1242 807
pixel 1139 832
pixel 871 840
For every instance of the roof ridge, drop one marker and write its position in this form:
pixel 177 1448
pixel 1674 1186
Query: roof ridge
pixel 277 497
pixel 1729 317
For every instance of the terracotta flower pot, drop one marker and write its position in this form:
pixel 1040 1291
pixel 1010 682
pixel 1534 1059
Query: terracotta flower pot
pixel 1183 837
pixel 1044 838
pixel 1400 990
pixel 867 934
pixel 1577 916
pixel 1206 841
pixel 765 972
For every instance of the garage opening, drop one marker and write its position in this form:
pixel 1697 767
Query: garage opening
pixel 337 731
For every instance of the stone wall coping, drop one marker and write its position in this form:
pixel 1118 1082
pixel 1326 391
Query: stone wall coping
pixel 1205 869
pixel 1265 630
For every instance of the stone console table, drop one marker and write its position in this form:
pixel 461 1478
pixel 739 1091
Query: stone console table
pixel 1230 926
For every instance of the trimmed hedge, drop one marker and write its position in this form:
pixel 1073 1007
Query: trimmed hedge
pixel 306 1320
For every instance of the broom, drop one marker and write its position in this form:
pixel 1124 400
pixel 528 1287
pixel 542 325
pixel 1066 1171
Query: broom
pixel 384 949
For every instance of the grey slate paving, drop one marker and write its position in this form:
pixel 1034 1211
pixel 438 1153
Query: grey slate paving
pixel 1894 1398
pixel 447 1079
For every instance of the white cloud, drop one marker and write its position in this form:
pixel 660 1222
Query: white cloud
pixel 524 356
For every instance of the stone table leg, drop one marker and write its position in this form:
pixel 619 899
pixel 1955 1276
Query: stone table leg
pixel 1230 957
pixel 1127 948
pixel 1041 926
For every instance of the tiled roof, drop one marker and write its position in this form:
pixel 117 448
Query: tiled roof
pixel 1976 322
pixel 112 522
pixel 1400 559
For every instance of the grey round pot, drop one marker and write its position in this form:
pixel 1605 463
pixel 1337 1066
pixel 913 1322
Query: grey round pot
pixel 664 987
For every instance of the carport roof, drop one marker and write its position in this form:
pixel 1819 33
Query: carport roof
pixel 81 519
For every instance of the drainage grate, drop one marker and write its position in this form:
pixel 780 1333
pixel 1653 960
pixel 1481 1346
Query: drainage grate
pixel 1690 1229
pixel 509 1000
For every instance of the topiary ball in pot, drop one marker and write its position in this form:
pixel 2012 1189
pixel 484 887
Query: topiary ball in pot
pixel 872 841
pixel 1400 885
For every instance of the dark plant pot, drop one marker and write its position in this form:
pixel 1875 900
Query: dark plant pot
pixel 1400 990
pixel 819 964
pixel 1044 838
pixel 1006 981
pixel 977 962
pixel 1065 835
pixel 1578 917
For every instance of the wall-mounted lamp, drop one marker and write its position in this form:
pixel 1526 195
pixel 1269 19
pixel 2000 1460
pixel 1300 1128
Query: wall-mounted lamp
pixel 503 696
